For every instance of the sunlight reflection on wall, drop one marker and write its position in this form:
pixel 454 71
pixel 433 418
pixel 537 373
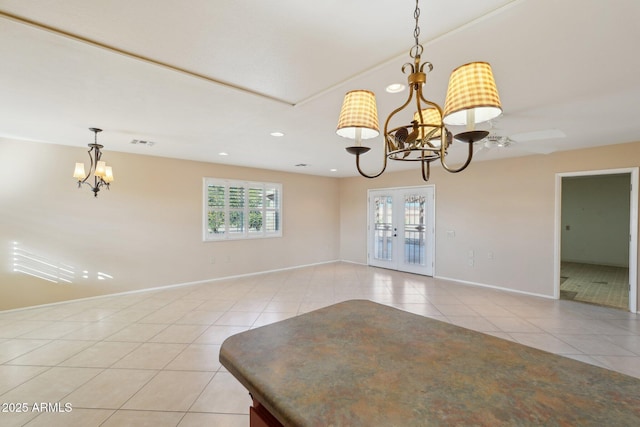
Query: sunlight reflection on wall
pixel 28 262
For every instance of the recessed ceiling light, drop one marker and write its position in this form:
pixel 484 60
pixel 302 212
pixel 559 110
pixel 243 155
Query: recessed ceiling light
pixel 223 154
pixel 395 88
pixel 333 170
pixel 276 134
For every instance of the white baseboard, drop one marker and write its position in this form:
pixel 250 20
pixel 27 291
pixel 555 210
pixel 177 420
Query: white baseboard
pixel 500 288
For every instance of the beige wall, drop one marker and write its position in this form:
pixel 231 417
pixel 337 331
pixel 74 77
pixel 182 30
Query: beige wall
pixel 503 207
pixel 147 230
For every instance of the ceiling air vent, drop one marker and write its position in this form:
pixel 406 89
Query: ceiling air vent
pixel 142 142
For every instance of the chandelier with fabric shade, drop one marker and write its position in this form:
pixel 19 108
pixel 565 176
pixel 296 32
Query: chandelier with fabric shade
pixel 102 174
pixel 472 98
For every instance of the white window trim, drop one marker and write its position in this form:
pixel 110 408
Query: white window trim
pixel 246 233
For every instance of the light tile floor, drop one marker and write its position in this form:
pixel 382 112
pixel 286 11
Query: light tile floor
pixel 151 358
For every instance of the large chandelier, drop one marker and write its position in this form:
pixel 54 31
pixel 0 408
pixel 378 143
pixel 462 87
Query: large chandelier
pixel 472 97
pixel 102 174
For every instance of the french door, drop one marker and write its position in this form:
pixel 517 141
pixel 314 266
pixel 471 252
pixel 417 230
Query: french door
pixel 401 229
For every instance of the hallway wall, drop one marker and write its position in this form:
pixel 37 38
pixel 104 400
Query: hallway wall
pixel 595 219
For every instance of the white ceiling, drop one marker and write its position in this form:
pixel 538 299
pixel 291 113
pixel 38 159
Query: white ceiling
pixel 200 77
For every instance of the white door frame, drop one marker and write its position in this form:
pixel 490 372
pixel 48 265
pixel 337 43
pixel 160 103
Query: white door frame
pixel 430 218
pixel 633 230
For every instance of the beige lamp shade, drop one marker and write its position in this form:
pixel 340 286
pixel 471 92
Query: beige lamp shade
pixel 108 174
pixel 430 116
pixel 358 116
pixel 78 172
pixel 100 169
pixel 472 95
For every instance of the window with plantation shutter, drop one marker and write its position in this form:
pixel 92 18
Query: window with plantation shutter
pixel 241 210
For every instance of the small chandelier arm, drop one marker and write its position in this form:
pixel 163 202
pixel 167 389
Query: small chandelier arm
pixel 102 174
pixel 357 151
pixel 472 97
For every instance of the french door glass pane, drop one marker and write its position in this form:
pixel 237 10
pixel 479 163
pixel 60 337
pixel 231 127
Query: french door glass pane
pixel 414 229
pixel 383 247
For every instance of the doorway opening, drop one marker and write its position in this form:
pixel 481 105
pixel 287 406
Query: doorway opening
pixel 596 237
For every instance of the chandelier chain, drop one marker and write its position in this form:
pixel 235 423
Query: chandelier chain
pixel 416 50
pixel 416 31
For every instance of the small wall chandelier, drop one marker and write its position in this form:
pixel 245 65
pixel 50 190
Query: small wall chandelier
pixel 102 174
pixel 472 97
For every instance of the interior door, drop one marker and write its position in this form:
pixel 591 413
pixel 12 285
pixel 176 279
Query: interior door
pixel 401 229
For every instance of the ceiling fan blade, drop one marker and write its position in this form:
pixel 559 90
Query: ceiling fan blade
pixel 538 149
pixel 538 135
pixel 482 147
